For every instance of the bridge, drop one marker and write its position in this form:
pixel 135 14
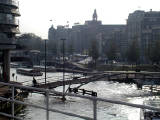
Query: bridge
pixel 139 78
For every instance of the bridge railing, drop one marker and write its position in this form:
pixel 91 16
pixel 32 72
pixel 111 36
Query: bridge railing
pixel 47 92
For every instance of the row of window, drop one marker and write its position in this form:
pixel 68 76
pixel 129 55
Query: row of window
pixel 10 2
pixel 7 18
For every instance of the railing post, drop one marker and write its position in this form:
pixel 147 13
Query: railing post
pixel 108 78
pixel 47 105
pixel 144 77
pixel 13 102
pixel 127 76
pixel 135 75
pixel 94 109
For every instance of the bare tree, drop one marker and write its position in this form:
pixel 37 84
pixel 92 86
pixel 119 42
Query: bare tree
pixel 93 51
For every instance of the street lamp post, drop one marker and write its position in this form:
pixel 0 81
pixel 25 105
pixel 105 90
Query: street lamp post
pixel 63 97
pixel 45 60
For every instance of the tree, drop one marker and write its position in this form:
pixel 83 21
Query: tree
pixel 133 53
pixel 111 50
pixel 93 51
pixel 31 41
pixel 153 52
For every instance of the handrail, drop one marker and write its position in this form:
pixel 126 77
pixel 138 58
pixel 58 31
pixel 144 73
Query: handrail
pixel 47 92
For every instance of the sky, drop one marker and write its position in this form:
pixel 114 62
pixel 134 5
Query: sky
pixel 38 15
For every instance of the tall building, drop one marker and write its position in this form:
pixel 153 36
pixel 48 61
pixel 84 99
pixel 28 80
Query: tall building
pixel 145 27
pixel 55 36
pixel 8 28
pixel 81 36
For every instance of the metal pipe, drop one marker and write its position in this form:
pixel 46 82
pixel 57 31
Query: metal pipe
pixel 45 61
pixel 44 108
pixel 94 99
pixel 111 101
pixel 13 102
pixel 6 65
pixel 47 105
pixel 95 109
pixel 24 87
pixel 63 96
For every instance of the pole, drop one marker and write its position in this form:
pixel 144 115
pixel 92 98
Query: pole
pixel 95 109
pixel 6 65
pixel 47 105
pixel 63 97
pixel 45 61
pixel 13 107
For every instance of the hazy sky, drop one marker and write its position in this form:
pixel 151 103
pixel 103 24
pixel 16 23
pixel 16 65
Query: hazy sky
pixel 36 14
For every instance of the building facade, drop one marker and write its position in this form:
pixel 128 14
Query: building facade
pixel 145 28
pixel 8 28
pixel 81 36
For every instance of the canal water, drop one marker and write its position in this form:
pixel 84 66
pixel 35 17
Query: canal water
pixel 104 89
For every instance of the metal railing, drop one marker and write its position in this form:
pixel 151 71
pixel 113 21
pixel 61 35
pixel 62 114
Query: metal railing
pixel 13 101
pixel 10 2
